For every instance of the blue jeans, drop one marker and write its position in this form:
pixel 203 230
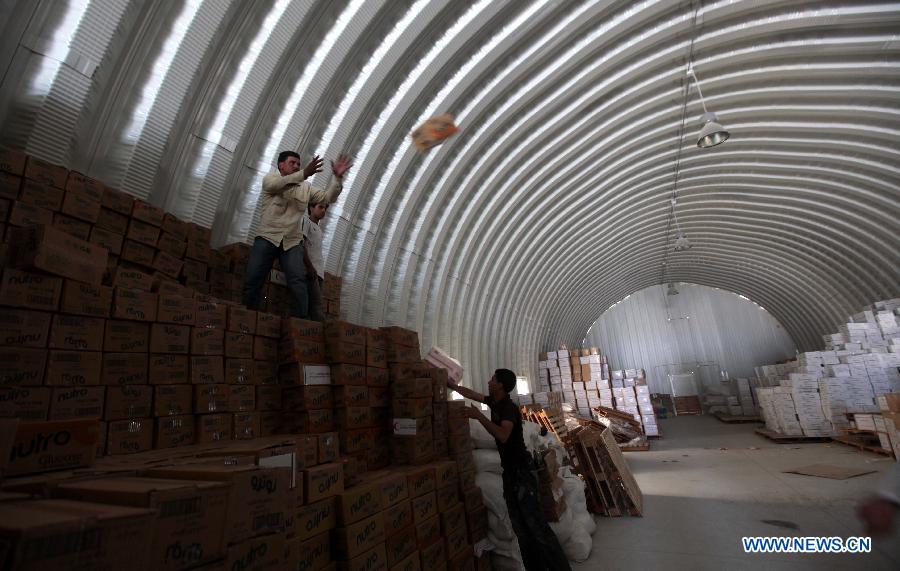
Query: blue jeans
pixel 262 255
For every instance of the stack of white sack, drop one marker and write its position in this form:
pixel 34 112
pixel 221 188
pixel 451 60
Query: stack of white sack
pixel 574 528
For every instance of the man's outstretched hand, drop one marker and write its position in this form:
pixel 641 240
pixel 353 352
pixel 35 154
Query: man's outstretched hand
pixel 340 166
pixel 472 412
pixel 314 166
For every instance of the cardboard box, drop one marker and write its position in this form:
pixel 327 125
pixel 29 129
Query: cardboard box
pixel 30 291
pixel 171 245
pixel 376 377
pixel 257 496
pixel 428 532
pixel 374 559
pixel 205 341
pixel 410 563
pixel 412 426
pixel 241 320
pixel 456 542
pixel 125 369
pixel 257 554
pixel 300 351
pixel 453 519
pixel 82 535
pixel 45 172
pixel 82 205
pixel 394 486
pixel 357 538
pixel 73 368
pixel 424 507
pixel 172 400
pixel 239 372
pixel 242 398
pixel 130 278
pixel 168 369
pixel 352 418
pixel 398 354
pixel 113 222
pixel 239 345
pixel 329 447
pixel 465 462
pixel 107 239
pixel 376 338
pixel 268 325
pixel 412 388
pixel 23 214
pixel 12 161
pixel 346 353
pixel 78 181
pixel 447 497
pixel 134 304
pixel 76 333
pixel 307 398
pixel 85 299
pixel 10 185
pixel 323 481
pixel 316 518
pixel 28 404
pixel 53 251
pixel 314 553
pixel 420 481
pixel 355 441
pixel 190 520
pixel 401 544
pixel 411 408
pixel 246 425
pixel 351 396
pixel 148 213
pixel 402 337
pixel 128 401
pixel 210 314
pixel 265 348
pixel 174 431
pixel 344 374
pixel 24 328
pixel 122 336
pixel 170 338
pixel 72 226
pixel 320 421
pixel 376 358
pixel 77 403
pixel 212 428
pixel 211 398
pixel 358 502
pixel 56 445
pixel 268 397
pixel 41 195
pixel 206 370
pixel 143 232
pixel 129 436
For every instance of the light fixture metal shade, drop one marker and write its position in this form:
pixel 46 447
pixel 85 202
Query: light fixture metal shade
pixel 712 133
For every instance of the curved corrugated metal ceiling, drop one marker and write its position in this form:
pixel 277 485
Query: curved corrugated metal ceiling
pixel 553 200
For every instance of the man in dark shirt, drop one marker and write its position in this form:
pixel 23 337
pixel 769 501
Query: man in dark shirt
pixel 539 546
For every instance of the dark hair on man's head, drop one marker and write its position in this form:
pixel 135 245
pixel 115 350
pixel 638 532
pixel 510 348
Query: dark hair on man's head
pixel 506 378
pixel 309 206
pixel 285 155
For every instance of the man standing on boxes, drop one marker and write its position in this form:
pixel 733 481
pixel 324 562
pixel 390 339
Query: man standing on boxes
pixel 284 197
pixel 539 546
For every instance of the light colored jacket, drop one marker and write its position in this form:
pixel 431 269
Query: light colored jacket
pixel 284 201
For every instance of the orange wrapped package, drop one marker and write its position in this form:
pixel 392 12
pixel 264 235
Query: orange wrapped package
pixel 433 131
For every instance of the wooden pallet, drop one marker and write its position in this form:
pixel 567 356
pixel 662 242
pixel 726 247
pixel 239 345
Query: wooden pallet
pixel 635 448
pixel 609 480
pixel 862 444
pixel 729 419
pixel 786 439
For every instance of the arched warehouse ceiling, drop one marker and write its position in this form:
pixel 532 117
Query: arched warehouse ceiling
pixel 554 199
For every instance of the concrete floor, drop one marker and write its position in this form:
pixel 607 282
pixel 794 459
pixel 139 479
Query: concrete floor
pixel 706 484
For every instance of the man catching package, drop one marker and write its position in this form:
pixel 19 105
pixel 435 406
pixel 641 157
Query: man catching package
pixel 539 546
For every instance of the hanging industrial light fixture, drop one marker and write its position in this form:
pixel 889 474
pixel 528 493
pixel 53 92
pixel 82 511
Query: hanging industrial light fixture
pixel 681 240
pixel 712 133
pixel 672 290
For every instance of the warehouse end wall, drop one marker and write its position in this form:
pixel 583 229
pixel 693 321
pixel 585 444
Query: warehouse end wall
pixel 701 329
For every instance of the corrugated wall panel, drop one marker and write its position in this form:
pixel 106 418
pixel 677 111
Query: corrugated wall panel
pixel 710 329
